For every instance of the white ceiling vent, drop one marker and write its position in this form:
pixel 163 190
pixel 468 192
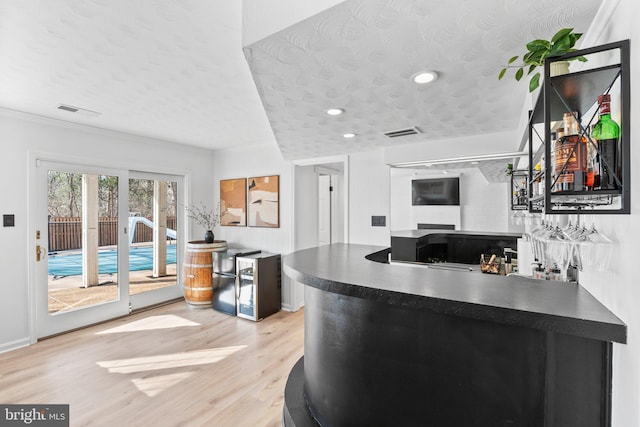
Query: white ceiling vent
pixel 402 132
pixel 78 110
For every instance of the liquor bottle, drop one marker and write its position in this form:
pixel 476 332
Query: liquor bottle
pixel 607 132
pixel 536 188
pixel 522 194
pixel 556 167
pixel 593 163
pixel 571 156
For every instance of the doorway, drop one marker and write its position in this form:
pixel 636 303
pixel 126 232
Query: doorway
pixel 330 210
pixel 85 260
pixel 309 229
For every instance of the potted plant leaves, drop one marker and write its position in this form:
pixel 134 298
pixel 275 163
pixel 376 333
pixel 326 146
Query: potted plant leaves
pixel 560 44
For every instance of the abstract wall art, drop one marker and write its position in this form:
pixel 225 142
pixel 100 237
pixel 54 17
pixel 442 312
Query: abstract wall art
pixel 264 201
pixel 233 202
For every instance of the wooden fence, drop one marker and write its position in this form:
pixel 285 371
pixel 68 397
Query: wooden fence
pixel 65 233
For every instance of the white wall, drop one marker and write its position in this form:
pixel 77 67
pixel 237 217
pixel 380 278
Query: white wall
pixel 493 143
pixel 405 216
pixel 306 207
pixel 368 196
pixel 615 283
pixel 23 134
pixel 618 287
pixel 246 162
pixel 483 206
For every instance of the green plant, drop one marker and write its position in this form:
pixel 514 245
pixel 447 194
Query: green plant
pixel 537 50
pixel 509 169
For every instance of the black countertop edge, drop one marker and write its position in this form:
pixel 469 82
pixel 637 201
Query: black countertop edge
pixel 417 234
pixel 600 325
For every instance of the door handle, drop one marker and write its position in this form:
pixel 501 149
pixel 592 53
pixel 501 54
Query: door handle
pixel 39 251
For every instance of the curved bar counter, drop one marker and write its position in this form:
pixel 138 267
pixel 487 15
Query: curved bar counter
pixel 442 345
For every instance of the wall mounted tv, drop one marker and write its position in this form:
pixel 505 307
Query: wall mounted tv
pixel 439 191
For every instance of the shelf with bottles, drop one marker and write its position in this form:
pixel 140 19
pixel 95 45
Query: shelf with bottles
pixel 564 126
pixel 519 192
pixel 536 170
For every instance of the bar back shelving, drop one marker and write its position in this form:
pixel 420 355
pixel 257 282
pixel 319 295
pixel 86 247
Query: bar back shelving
pixel 605 72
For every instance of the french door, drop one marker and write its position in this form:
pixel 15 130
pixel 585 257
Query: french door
pixel 78 274
pixel 88 255
pixel 154 242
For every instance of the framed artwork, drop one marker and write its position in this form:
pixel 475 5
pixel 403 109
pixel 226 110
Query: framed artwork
pixel 264 201
pixel 233 202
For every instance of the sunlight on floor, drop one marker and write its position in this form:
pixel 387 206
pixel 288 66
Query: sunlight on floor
pixel 166 361
pixel 166 321
pixel 153 386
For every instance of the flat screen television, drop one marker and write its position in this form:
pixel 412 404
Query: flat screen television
pixel 438 191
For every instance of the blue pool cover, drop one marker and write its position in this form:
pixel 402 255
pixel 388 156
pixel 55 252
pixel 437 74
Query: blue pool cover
pixel 140 258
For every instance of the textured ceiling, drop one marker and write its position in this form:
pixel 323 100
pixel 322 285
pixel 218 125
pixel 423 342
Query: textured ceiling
pixel 360 55
pixel 175 70
pixel 172 70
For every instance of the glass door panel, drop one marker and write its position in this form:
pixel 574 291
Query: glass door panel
pixel 246 288
pixel 153 236
pixel 79 251
pixel 154 248
pixel 82 240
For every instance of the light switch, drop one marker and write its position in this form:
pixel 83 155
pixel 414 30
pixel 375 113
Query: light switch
pixel 8 220
pixel 378 221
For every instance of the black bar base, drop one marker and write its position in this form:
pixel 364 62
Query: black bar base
pixel 295 412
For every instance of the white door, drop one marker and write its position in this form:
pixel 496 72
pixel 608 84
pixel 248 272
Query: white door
pixel 324 210
pixel 81 246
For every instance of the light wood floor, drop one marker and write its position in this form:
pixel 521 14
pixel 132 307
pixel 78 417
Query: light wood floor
pixel 170 366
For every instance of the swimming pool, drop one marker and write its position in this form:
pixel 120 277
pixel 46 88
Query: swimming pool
pixel 140 258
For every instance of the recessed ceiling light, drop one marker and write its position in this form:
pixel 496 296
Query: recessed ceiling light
pixel 349 135
pixel 334 111
pixel 474 163
pixel 424 77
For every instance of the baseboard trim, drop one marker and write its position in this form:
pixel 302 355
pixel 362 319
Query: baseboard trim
pixel 288 307
pixel 14 345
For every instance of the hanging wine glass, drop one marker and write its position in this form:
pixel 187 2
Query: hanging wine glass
pixel 536 234
pixel 543 243
pixel 559 249
pixel 517 217
pixel 600 247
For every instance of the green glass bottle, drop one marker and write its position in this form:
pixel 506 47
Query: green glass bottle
pixel 607 134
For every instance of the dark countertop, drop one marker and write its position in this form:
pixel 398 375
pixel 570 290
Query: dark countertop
pixel 416 234
pixel 515 300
